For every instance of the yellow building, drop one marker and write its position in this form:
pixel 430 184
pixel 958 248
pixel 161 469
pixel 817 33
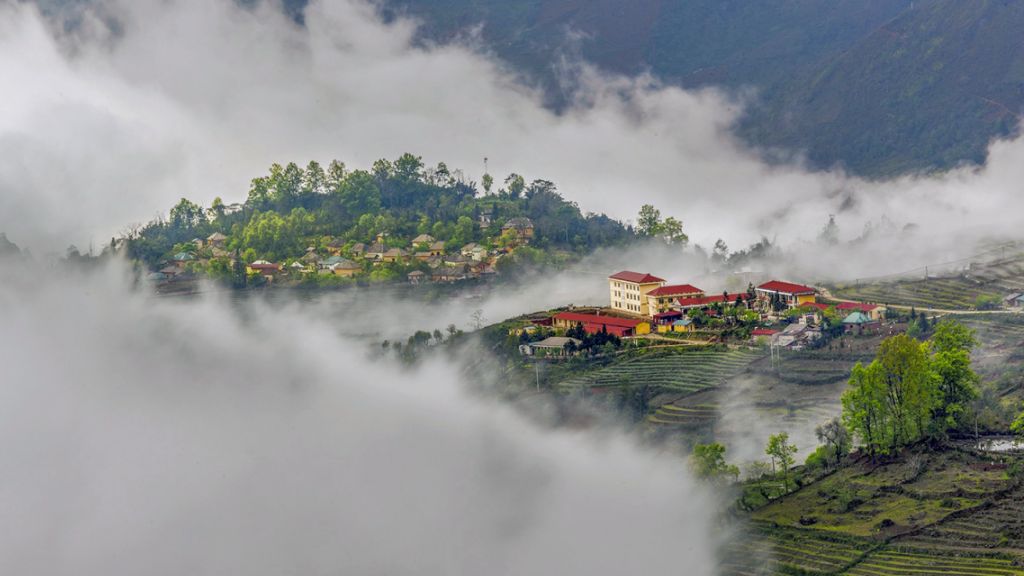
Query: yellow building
pixel 629 291
pixel 793 295
pixel 663 298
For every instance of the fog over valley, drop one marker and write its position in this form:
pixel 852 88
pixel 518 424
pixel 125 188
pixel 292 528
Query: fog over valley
pixel 324 288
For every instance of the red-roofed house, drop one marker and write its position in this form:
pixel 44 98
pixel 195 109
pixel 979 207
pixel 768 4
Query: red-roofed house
pixel 872 311
pixel 793 295
pixel 762 335
pixel 629 291
pixel 705 301
pixel 662 298
pixel 592 324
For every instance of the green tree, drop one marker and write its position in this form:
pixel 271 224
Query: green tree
pixel 488 182
pixel 514 185
pixel 672 232
pixel 950 347
pixel 781 453
pixel 708 462
pixel 649 221
pixel 836 439
pixel 186 215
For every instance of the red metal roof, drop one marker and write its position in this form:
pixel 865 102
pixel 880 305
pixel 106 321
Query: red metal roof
pixel 636 277
pixel 785 287
pixel 675 289
pixel 763 332
pixel 707 300
pixel 595 319
pixel 856 306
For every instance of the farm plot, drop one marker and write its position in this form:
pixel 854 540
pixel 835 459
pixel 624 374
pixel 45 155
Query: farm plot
pixel 681 371
pixel 956 293
pixel 773 550
pixel 891 562
pixel 998 525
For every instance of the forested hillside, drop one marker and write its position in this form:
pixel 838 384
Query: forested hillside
pixel 881 87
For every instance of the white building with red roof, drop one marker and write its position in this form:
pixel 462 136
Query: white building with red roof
pixel 629 290
pixel 793 295
pixel 663 298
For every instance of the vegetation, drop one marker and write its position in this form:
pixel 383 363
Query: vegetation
pixel 292 209
pixel 912 390
pixel 937 78
pixel 708 462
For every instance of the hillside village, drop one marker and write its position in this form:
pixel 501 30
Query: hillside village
pixel 642 305
pixel 424 258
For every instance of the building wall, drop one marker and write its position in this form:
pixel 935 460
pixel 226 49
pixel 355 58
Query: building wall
pixel 630 297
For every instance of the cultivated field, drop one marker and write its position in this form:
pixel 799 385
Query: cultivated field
pixel 675 370
pixel 927 513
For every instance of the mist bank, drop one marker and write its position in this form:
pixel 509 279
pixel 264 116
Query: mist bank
pixel 114 118
pixel 144 435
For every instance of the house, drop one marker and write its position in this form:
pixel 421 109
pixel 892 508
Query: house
pixel 519 229
pixel 663 298
pixel 296 266
pixel 424 239
pixel 593 323
pixel 629 291
pixel 857 322
pixel 335 247
pixel 448 274
pixel 684 324
pixel 702 302
pixel 198 243
pixel 797 336
pixel 216 240
pixel 473 251
pixel 554 346
pixel 416 277
pixel 436 248
pixel 344 267
pixel 311 260
pixel 394 255
pixel 519 331
pixel 663 320
pixel 791 295
pixel 1015 300
pixel 762 335
pixel 375 251
pixel 872 311
pixel 263 268
pixel 219 253
pixel 358 249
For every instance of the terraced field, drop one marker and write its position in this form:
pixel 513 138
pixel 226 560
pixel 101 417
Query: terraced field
pixel 899 563
pixel 687 416
pixel 958 292
pixel 928 513
pixel 676 370
pixel 1000 357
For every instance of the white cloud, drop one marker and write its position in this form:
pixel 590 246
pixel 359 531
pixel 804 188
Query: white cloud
pixel 147 436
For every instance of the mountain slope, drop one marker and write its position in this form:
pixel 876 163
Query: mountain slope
pixel 882 87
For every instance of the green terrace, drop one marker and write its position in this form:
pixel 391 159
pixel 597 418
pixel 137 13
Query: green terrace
pixel 686 370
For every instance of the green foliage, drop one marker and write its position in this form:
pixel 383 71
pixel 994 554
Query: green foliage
pixel 292 208
pixel 708 462
pixel 911 389
pixel 781 453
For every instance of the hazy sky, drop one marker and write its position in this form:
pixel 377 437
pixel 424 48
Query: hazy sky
pixel 194 98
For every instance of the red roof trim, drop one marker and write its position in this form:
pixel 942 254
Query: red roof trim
pixel 763 332
pixel 595 319
pixel 817 305
pixel 705 300
pixel 856 306
pixel 786 288
pixel 675 289
pixel 636 277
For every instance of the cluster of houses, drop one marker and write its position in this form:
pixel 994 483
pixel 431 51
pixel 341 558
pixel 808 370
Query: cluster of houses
pixel 437 261
pixel 641 303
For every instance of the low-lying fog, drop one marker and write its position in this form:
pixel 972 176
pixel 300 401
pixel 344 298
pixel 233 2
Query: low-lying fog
pixel 144 435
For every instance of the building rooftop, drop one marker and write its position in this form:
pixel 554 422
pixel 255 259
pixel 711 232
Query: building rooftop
pixel 595 319
pixel 785 288
pixel 636 277
pixel 674 289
